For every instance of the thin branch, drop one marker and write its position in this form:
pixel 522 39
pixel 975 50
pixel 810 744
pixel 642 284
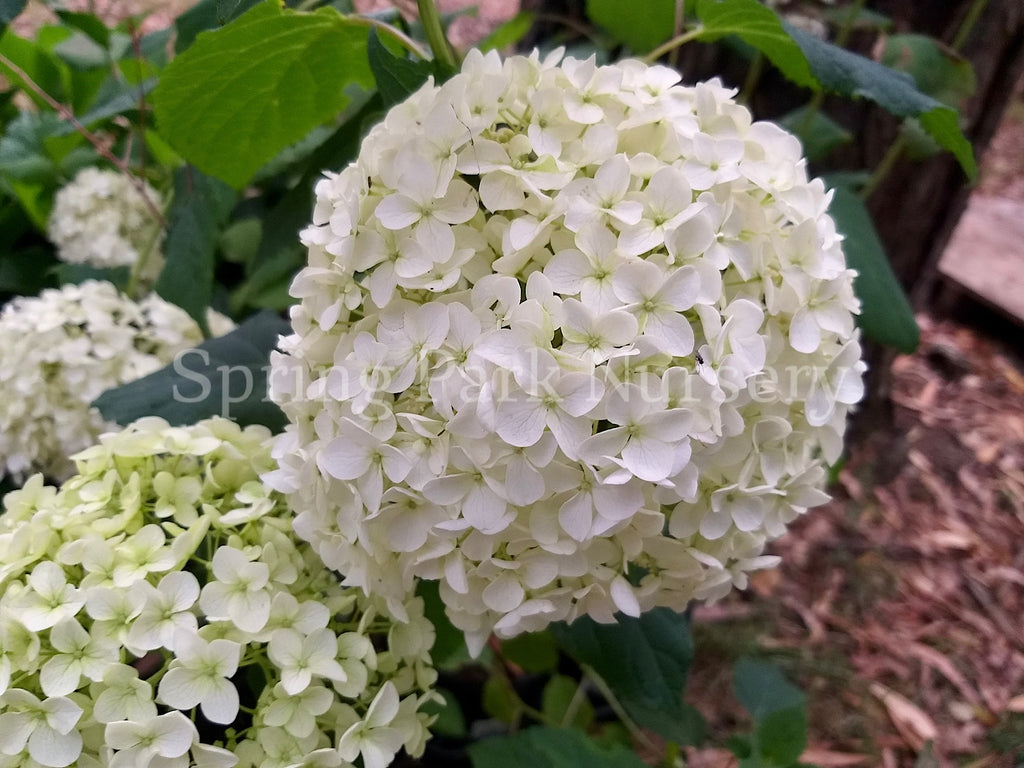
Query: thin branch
pixel 674 43
pixel 68 115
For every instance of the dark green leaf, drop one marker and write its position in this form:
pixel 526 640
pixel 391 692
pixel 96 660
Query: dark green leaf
pixel 450 721
pixel 644 661
pixel 119 98
pixel 549 748
pixel 533 652
pixel 396 77
pixel 199 18
pixel 449 648
pixel 938 71
pixel 243 93
pixel 500 701
pixel 228 10
pixel 781 736
pixel 88 23
pixel 646 25
pixel 819 133
pixel 886 316
pixel 200 207
pixel 23 154
pixel 851 75
pixel 759 27
pixel 9 10
pixel 226 376
pixel 762 689
pixel 509 33
pixel 24 272
pixel 79 273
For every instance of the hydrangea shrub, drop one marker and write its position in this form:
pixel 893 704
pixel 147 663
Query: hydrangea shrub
pixel 572 340
pixel 102 220
pixel 158 609
pixel 62 350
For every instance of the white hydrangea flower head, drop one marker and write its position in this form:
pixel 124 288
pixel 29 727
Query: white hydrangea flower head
pixel 101 219
pixel 62 350
pixel 572 340
pixel 123 608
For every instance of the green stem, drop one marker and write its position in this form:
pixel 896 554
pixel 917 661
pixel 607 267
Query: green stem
pixel 678 25
pixel 434 31
pixel 968 24
pixel 671 759
pixel 635 731
pixel 752 78
pixel 675 42
pixel 393 32
pixel 884 166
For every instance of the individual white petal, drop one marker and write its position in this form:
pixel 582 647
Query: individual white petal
pixel 576 516
pixel 220 704
pixel 623 596
pixel 804 333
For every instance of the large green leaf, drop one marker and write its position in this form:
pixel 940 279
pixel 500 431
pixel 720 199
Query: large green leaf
pixel 853 76
pixel 226 376
pixel 243 93
pixel 644 661
pixel 759 27
pixel 549 748
pixel 886 316
pixel 200 207
pixel 644 26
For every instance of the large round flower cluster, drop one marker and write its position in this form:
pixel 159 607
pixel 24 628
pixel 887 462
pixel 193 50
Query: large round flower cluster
pixel 573 339
pixel 101 219
pixel 61 350
pixel 158 609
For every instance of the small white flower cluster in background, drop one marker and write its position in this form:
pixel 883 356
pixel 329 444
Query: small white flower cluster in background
pixel 102 220
pixel 61 350
pixel 158 609
pixel 572 340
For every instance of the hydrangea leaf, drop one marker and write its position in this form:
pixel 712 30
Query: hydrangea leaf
pixel 549 748
pixel 645 26
pixel 241 94
pixel 778 709
pixel 762 689
pixel 818 133
pixel 886 315
pixel 226 376
pixel 200 207
pixel 851 75
pixel 759 27
pixel 396 77
pixel 938 71
pixel 644 661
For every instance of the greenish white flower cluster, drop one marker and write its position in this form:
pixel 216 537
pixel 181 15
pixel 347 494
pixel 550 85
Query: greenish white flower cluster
pixel 572 340
pixel 102 220
pixel 62 350
pixel 158 610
